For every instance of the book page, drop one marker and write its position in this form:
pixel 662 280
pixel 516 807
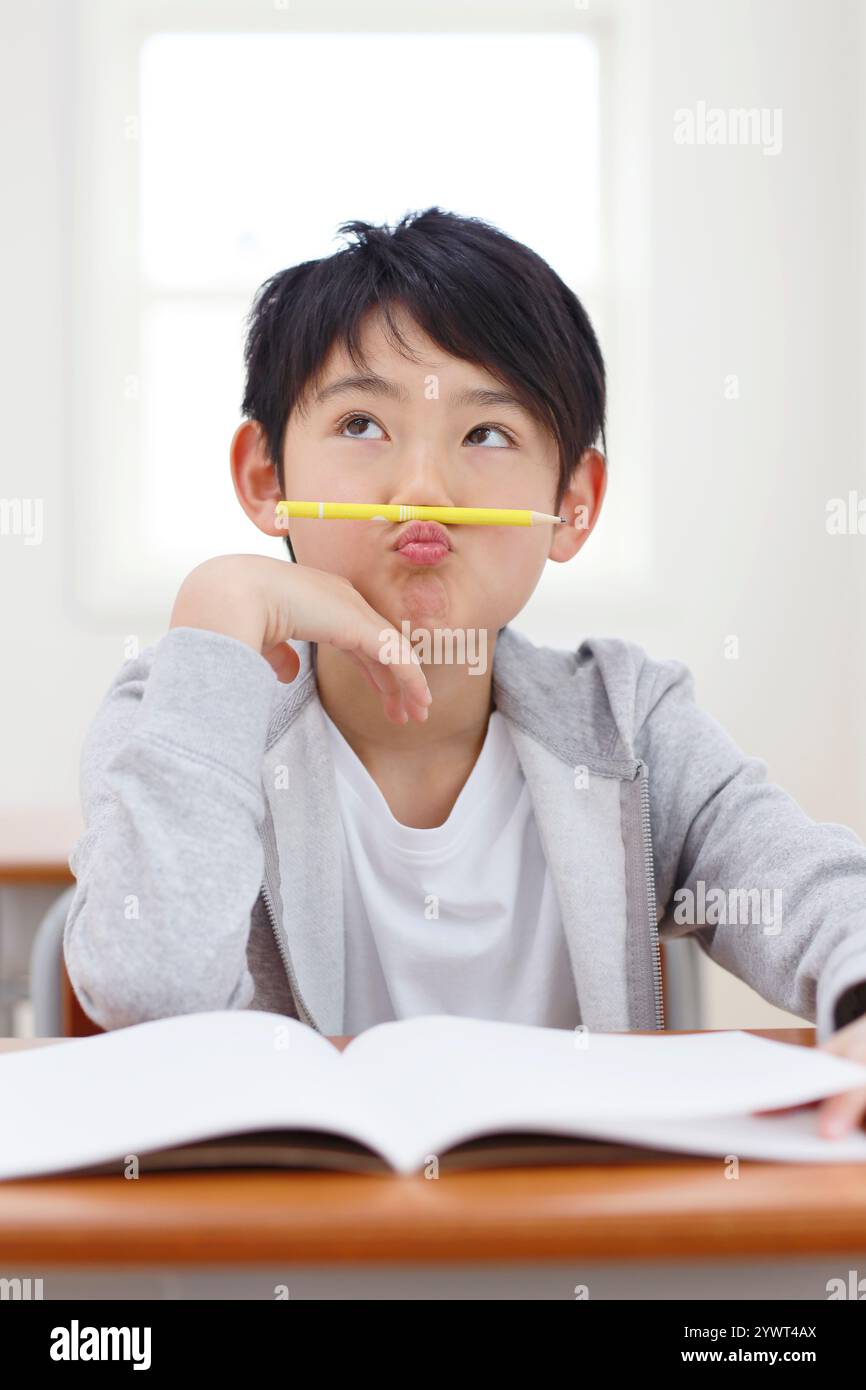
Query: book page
pixel 448 1079
pixel 785 1138
pixel 172 1081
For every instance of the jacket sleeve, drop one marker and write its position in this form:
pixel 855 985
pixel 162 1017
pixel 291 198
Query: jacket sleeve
pixel 170 863
pixel 718 823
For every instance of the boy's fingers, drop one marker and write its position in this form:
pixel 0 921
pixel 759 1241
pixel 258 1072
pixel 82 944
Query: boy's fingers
pixel 363 667
pixel 407 673
pixel 383 680
pixel 840 1114
pixel 400 682
pixel 837 1115
pixel 787 1109
pixel 375 677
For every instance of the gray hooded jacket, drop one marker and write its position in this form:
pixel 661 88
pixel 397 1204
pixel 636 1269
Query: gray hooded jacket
pixel 208 874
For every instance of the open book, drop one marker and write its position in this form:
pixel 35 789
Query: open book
pixel 250 1088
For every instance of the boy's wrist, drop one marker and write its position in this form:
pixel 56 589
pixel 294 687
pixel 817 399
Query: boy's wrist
pixel 216 602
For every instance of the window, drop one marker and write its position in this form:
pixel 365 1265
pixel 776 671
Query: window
pixel 209 160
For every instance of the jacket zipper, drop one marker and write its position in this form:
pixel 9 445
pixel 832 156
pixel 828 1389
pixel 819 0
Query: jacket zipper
pixel 658 996
pixel 303 1011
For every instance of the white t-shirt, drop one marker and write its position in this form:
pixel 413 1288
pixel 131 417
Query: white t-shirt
pixel 497 948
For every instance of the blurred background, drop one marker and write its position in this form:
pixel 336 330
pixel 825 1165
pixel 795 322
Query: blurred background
pixel 694 171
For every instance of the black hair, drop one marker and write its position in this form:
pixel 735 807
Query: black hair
pixel 477 293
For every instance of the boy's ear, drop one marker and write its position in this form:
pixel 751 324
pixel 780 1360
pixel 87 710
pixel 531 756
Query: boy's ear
pixel 580 505
pixel 255 478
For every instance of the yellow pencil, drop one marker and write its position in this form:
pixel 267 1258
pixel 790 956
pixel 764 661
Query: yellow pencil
pixel 448 516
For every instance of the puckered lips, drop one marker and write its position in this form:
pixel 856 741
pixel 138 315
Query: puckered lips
pixel 423 543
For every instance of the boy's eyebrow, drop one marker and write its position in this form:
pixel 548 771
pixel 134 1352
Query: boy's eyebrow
pixel 380 386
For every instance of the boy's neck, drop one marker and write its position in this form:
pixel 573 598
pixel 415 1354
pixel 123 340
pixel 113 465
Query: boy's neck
pixel 452 733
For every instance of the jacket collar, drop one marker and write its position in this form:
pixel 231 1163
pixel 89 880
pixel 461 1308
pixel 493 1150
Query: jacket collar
pixel 550 694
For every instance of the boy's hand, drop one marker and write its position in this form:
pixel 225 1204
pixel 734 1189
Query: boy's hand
pixel 264 602
pixel 839 1114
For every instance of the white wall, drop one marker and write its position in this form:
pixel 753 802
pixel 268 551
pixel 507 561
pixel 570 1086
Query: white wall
pixel 754 267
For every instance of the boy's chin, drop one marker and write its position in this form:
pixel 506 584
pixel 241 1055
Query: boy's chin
pixel 422 597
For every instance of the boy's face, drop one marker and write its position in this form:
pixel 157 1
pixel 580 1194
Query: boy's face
pixel 417 443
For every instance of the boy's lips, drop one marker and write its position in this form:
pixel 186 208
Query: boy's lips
pixel 423 531
pixel 423 543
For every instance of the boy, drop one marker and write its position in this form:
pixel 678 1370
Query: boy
pixel 280 817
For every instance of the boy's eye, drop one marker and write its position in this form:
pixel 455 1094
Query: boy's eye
pixel 364 420
pixel 354 420
pixel 493 429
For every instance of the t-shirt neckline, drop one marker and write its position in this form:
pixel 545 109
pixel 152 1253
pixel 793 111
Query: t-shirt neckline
pixel 494 762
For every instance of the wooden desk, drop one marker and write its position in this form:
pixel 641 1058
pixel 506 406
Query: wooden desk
pixel 677 1229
